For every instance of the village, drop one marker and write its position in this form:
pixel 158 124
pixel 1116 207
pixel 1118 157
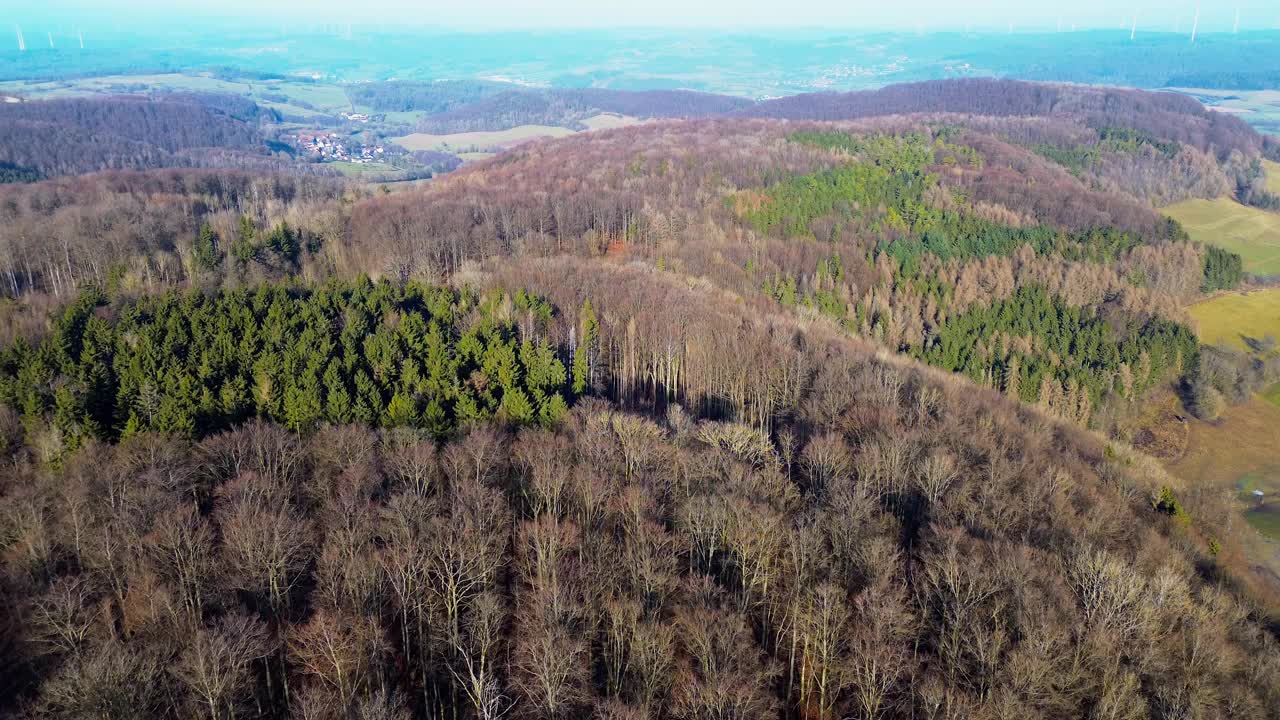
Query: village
pixel 332 147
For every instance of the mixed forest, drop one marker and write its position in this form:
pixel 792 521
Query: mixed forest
pixel 711 418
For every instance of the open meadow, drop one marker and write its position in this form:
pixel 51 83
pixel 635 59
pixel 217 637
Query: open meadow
pixel 481 141
pixel 1237 453
pixel 1273 175
pixel 1225 223
pixel 1231 319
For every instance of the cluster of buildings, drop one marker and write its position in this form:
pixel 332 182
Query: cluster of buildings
pixel 331 147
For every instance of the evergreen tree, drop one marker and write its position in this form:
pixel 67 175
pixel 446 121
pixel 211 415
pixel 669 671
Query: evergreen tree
pixel 205 250
pixel 589 331
pixel 245 246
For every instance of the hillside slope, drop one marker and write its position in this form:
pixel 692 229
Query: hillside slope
pixel 855 534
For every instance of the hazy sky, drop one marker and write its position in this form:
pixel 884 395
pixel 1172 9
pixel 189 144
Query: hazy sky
pixel 831 14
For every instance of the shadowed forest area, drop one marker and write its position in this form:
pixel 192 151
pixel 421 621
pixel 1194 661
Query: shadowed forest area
pixel 715 418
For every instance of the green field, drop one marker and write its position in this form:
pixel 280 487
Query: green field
pixel 324 97
pixel 1236 454
pixel 1228 319
pixel 1273 176
pixel 1262 512
pixel 1272 394
pixel 1253 233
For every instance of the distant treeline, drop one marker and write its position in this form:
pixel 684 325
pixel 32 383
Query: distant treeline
pixel 430 97
pixel 569 107
pixel 1267 79
pixel 1157 118
pixel 1167 116
pixel 72 136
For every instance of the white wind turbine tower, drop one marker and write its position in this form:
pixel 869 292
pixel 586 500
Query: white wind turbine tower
pixel 50 41
pixel 1235 29
pixel 81 39
pixel 22 44
pixel 1195 24
pixel 1133 29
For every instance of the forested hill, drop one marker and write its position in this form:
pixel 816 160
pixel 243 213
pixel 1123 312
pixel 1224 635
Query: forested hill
pixel 933 237
pixel 79 135
pixel 71 136
pixel 1165 115
pixel 1168 116
pixel 721 418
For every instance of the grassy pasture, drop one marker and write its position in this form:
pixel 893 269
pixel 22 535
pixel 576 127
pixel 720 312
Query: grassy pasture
pixel 326 98
pixel 1229 319
pixel 1272 394
pixel 1253 233
pixel 1261 511
pixel 1273 175
pixel 482 141
pixel 1238 453
pixel 609 121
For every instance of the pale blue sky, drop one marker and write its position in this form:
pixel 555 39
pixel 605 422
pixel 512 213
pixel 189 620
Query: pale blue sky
pixel 925 15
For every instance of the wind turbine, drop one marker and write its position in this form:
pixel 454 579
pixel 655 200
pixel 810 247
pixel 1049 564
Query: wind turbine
pixel 50 41
pixel 81 39
pixel 22 44
pixel 1235 29
pixel 1195 25
pixel 1133 29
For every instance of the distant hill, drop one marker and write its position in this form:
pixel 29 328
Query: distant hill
pixel 1165 115
pixel 1168 116
pixel 71 136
